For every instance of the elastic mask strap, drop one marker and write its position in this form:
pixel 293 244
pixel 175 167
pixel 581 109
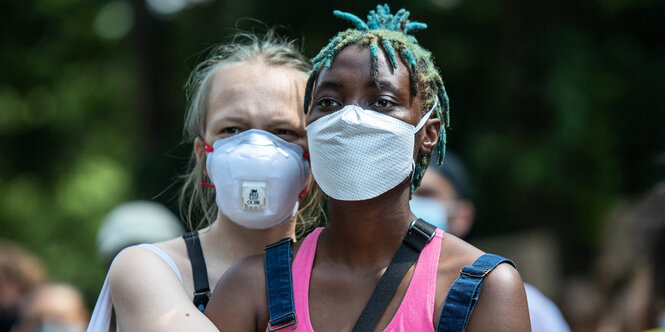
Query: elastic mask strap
pixel 305 156
pixel 208 147
pixel 208 185
pixel 426 117
pixel 302 193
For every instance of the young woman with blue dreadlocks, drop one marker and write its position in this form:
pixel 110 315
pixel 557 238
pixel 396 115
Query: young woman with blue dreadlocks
pixel 377 109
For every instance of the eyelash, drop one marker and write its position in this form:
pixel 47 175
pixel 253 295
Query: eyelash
pixel 324 100
pixel 230 130
pixel 284 132
pixel 389 103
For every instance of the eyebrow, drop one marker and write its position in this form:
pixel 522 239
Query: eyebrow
pixel 371 83
pixel 384 85
pixel 329 84
pixel 235 118
pixel 226 120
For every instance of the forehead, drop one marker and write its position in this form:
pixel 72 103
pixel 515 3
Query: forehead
pixel 256 90
pixel 354 63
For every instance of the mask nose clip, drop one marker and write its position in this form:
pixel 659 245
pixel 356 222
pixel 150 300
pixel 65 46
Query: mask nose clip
pixel 280 150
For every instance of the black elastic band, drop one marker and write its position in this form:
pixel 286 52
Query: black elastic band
pixel 419 234
pixel 199 270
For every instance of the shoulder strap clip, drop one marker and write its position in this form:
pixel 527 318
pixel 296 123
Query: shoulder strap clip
pixel 475 271
pixel 420 234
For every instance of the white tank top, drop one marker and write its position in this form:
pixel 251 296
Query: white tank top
pixel 101 315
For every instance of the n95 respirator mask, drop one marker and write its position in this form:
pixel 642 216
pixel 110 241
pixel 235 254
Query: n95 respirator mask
pixel 257 177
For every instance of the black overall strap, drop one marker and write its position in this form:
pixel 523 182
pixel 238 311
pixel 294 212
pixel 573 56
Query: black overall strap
pixel 420 233
pixel 464 292
pixel 279 285
pixel 199 270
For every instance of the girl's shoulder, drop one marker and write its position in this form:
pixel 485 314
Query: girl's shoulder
pixel 144 262
pixel 147 293
pixel 455 254
pixel 502 303
pixel 239 300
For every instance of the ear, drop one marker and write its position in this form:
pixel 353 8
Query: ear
pixel 430 134
pixel 199 146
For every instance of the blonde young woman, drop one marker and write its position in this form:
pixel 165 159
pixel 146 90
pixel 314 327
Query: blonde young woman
pixel 249 172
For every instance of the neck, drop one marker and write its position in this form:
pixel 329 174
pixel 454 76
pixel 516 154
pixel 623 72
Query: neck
pixel 368 232
pixel 230 242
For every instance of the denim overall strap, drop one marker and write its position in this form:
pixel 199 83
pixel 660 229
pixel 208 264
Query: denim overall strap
pixel 279 285
pixel 464 293
pixel 199 270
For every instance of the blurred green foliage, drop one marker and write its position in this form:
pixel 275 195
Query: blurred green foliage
pixel 556 107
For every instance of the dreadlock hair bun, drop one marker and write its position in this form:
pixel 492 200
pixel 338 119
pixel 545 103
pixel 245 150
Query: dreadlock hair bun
pixel 393 33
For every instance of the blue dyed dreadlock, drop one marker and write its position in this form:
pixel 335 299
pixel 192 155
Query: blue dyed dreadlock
pixel 392 33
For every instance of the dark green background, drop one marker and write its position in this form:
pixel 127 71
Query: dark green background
pixel 557 109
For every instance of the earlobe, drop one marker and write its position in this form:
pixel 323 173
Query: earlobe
pixel 199 145
pixel 431 135
pixel 199 149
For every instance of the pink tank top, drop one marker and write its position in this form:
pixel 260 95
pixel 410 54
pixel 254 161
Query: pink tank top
pixel 416 311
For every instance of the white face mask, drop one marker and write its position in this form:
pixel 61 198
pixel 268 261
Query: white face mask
pixel 257 177
pixel 358 154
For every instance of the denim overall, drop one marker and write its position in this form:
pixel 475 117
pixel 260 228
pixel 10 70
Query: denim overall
pixel 460 302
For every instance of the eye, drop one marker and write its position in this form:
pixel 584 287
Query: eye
pixel 383 103
pixel 230 131
pixel 283 132
pixel 327 103
pixel 288 135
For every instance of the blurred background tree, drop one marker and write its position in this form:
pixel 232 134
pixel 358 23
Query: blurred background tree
pixel 556 107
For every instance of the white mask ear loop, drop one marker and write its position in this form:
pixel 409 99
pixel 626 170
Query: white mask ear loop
pixel 426 116
pixel 420 126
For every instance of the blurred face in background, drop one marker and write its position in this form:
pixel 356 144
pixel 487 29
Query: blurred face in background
pixel 460 212
pixel 54 308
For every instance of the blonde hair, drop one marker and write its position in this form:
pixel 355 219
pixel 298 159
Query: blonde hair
pixel 197 204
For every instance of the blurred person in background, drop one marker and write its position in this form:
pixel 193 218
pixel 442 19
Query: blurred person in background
pixel 248 171
pixel 636 298
pixel 134 223
pixel 652 239
pixel 444 199
pixel 20 273
pixel 53 308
